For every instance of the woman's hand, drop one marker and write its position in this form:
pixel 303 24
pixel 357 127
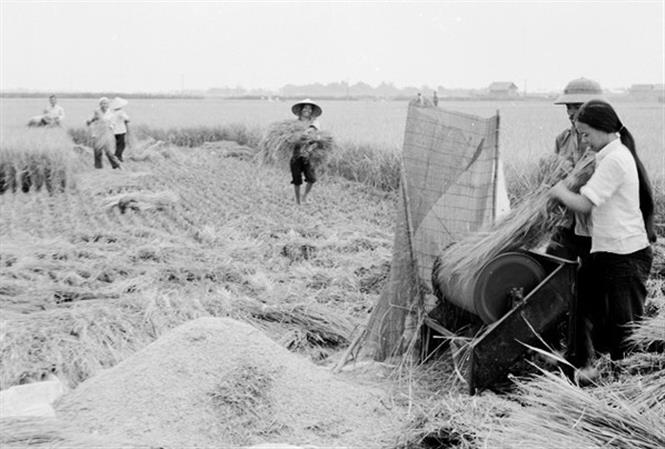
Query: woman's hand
pixel 559 190
pixel 573 201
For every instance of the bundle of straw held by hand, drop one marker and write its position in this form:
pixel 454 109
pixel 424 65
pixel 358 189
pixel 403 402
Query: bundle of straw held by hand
pixel 281 138
pixel 526 227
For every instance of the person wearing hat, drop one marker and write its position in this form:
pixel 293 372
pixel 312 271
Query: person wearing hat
pixel 619 197
pixel 101 127
pixel 576 93
pixel 120 125
pixel 572 240
pixel 308 112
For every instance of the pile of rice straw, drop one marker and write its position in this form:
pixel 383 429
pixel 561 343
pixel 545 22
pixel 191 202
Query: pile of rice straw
pixel 526 227
pixel 555 413
pixel 648 334
pixel 277 145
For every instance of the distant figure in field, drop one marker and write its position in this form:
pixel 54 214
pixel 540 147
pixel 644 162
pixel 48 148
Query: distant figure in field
pixel 120 125
pixel 421 101
pixel 435 99
pixel 307 111
pixel 101 129
pixel 573 240
pixel 53 115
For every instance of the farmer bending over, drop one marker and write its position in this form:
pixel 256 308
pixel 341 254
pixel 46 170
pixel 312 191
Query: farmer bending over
pixel 611 286
pixel 307 111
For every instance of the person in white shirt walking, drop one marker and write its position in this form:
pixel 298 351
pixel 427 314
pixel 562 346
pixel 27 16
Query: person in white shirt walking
pixel 120 125
pixel 611 287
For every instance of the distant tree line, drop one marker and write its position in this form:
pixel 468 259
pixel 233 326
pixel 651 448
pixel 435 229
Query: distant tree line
pixel 341 89
pixel 34 94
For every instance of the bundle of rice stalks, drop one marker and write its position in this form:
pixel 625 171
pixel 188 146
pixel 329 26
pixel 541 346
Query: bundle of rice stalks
pixel 281 138
pixel 645 391
pixel 555 414
pixel 75 343
pixel 36 158
pixel 526 227
pixel 321 327
pixel 649 333
pixel 139 201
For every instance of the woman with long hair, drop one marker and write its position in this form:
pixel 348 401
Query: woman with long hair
pixel 611 287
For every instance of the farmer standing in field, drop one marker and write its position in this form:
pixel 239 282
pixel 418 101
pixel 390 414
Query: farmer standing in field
pixel 572 240
pixel 308 112
pixel 101 126
pixel 619 198
pixel 120 125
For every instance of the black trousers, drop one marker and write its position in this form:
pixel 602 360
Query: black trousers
pixel 104 145
pixel 611 294
pixel 119 145
pixel 301 166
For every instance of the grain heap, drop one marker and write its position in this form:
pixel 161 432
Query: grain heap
pixel 216 382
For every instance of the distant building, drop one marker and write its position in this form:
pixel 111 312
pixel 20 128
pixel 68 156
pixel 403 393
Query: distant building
pixel 647 92
pixel 503 89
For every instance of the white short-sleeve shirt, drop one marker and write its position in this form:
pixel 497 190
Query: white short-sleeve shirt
pixel 55 112
pixel 120 119
pixel 617 223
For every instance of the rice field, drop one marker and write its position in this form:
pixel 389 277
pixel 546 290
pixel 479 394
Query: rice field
pixel 527 129
pixel 94 272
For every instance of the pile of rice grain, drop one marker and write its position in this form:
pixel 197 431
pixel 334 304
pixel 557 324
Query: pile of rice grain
pixel 216 382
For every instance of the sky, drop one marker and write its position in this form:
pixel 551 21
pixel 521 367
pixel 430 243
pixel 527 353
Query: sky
pixel 164 46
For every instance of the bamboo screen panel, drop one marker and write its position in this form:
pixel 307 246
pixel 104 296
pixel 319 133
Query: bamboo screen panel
pixel 449 170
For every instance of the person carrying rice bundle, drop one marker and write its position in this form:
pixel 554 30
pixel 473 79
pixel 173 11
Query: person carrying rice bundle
pixel 301 161
pixel 101 126
pixel 611 286
pixel 299 145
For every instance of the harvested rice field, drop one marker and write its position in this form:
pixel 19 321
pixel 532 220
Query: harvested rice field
pixel 187 301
